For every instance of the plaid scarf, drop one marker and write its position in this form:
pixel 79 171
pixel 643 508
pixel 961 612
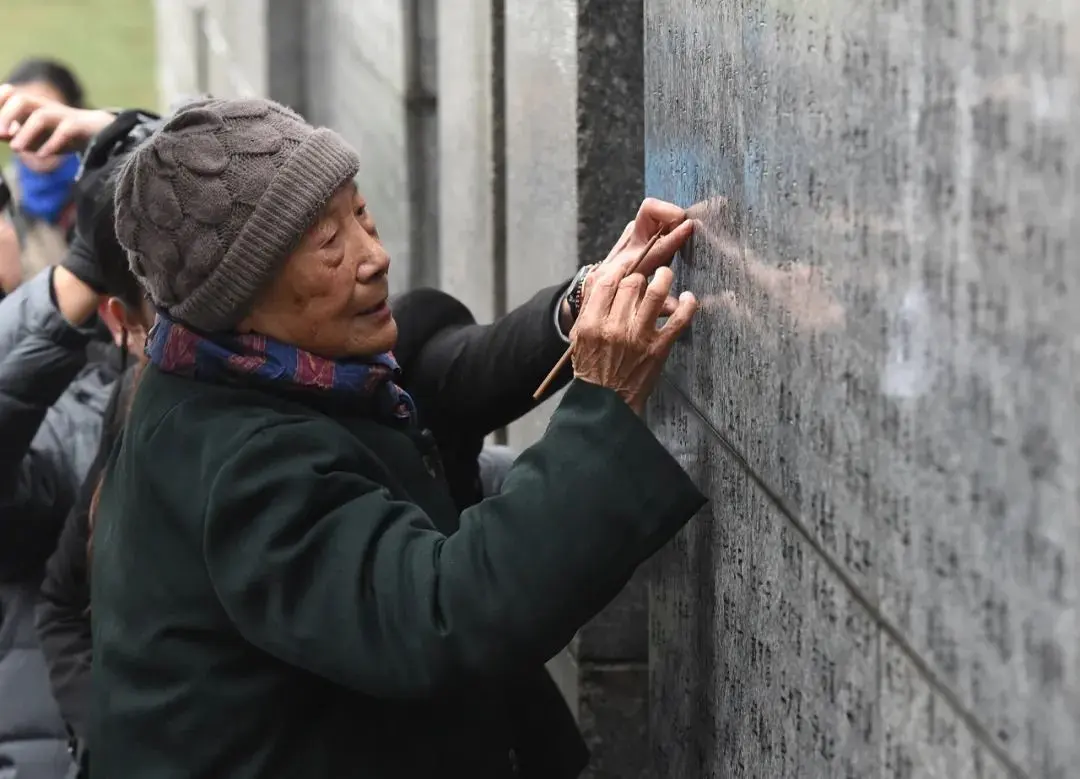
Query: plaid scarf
pixel 174 348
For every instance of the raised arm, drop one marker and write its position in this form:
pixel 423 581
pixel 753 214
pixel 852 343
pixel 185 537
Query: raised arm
pixel 477 378
pixel 41 352
pixel 317 562
pixel 318 565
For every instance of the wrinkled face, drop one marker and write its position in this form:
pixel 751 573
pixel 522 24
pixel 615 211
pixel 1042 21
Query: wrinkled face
pixel 330 297
pixel 47 91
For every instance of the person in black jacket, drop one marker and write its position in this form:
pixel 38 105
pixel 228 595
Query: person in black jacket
pixel 63 619
pixel 56 374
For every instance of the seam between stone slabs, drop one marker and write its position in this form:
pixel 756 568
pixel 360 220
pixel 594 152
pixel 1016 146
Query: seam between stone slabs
pixel 938 686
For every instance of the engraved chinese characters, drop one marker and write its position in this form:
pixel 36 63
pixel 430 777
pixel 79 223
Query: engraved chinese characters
pixel 886 193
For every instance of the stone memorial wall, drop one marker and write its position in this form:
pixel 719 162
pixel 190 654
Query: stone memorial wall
pixel 882 393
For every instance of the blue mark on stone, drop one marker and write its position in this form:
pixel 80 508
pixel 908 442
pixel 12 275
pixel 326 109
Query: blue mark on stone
pixel 672 173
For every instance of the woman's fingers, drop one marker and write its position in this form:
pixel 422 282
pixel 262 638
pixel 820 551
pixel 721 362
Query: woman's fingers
pixel 600 290
pixel 663 251
pixel 60 140
pixel 656 214
pixel 652 304
pixel 627 299
pixel 678 322
pixel 624 239
pixel 66 136
pixel 606 294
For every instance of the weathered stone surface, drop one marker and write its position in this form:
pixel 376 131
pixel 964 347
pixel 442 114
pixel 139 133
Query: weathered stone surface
pixel 610 122
pixel 620 633
pixel 889 337
pixel 921 734
pixel 614 706
pixel 762 664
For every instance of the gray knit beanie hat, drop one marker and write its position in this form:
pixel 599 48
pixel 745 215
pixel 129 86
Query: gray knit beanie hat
pixel 212 204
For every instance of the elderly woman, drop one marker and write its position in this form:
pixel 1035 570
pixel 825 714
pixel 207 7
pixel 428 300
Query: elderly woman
pixel 282 583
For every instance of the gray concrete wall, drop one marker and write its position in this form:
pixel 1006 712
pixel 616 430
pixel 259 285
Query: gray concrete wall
pixel 541 86
pixel 370 74
pixel 472 217
pixel 367 69
pixel 890 588
pixel 215 46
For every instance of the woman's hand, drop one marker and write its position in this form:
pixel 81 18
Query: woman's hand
pixel 616 340
pixel 653 216
pixel 45 128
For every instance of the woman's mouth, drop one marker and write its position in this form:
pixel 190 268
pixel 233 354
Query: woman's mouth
pixel 380 309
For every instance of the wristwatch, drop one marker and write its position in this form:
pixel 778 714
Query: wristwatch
pixel 576 290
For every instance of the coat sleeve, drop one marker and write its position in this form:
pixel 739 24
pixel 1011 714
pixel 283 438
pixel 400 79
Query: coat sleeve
pixel 40 355
pixel 477 378
pixel 318 565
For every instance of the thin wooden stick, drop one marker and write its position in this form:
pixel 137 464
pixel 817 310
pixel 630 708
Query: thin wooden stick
pixel 546 383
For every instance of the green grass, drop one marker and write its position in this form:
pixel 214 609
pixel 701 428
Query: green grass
pixel 108 43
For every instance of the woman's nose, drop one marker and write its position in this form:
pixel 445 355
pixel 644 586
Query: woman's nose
pixel 375 262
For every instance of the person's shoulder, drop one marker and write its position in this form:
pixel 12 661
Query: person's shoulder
pixel 225 418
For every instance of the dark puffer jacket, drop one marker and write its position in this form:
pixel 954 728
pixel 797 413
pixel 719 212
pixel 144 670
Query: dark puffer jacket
pixel 54 385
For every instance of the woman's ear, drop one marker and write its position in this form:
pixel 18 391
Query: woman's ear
pixel 112 313
pixel 120 319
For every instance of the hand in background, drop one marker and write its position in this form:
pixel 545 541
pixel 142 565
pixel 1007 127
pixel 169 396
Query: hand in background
pixel 42 128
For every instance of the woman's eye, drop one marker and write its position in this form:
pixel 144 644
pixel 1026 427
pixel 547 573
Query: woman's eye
pixel 361 212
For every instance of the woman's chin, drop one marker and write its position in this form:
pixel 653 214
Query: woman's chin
pixel 369 341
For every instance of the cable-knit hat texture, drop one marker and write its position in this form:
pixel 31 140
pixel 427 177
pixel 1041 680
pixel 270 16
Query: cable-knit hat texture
pixel 211 205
